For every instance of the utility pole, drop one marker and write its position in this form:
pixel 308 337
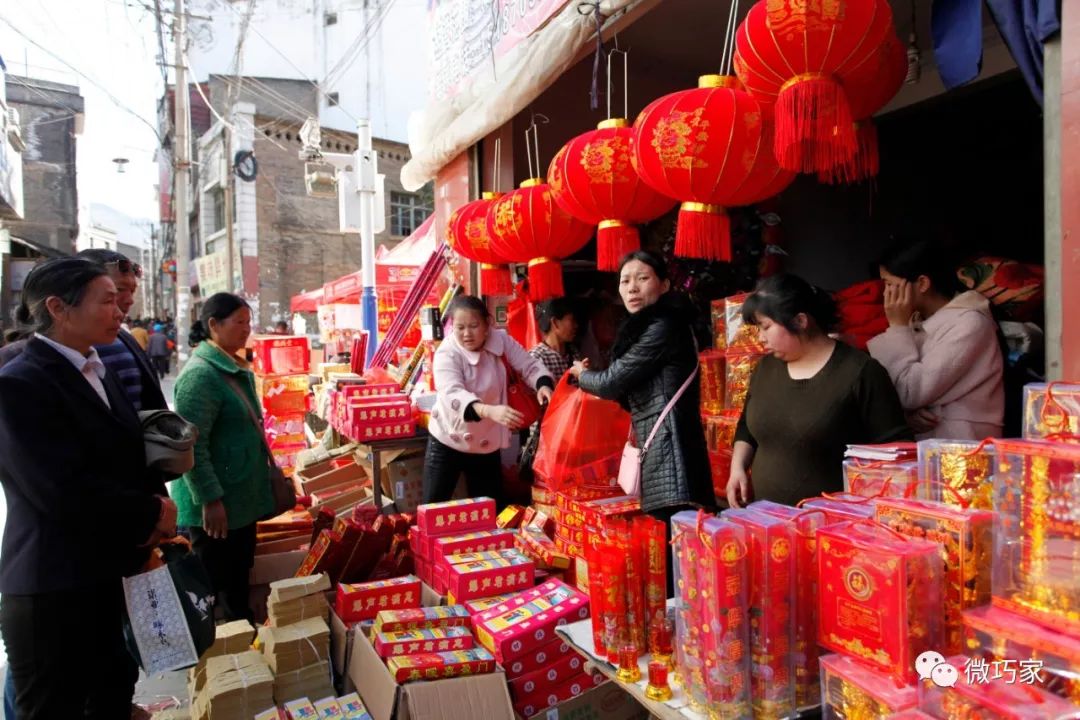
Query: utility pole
pixel 155 275
pixel 182 167
pixel 228 195
pixel 366 186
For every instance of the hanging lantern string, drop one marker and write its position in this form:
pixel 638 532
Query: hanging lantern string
pixel 625 81
pixel 532 142
pixel 495 171
pixel 593 8
pixel 729 38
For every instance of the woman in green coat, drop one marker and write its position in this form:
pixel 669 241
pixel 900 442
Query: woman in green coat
pixel 228 489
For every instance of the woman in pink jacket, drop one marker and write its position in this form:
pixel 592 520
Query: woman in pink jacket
pixel 941 349
pixel 471 422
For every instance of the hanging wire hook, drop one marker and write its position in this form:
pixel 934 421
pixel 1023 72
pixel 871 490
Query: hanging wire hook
pixel 626 81
pixel 729 38
pixel 495 171
pixel 534 129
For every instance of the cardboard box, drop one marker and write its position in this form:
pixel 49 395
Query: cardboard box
pixel 529 619
pixel 275 566
pixel 606 702
pixel 405 482
pixel 363 601
pixel 341 649
pixel 423 641
pixel 463 698
pixel 349 474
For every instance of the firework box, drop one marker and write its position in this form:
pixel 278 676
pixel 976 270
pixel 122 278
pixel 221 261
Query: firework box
pixel 441 665
pixel 479 605
pixel 456 516
pixel 302 709
pixel 423 641
pixel 528 620
pixel 966 539
pixel 1051 409
pixel 880 596
pixel 510 517
pixel 541 549
pixel 373 390
pixel 375 411
pixel 558 672
pixel 422 618
pixel 341 648
pixel 278 355
pixel 1001 698
pixel 437 548
pixel 877 478
pixel 363 601
pixel 389 430
pixel 456 698
pixel 995 635
pixel 328 708
pixel 741 336
pixel 848 685
pixel 538 659
pixel 352 708
pixel 550 696
pixel 443 564
pixel 490 577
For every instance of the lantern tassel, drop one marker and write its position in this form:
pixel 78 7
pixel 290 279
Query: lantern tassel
pixel 814 129
pixel 545 279
pixel 703 232
pixel 614 241
pixel 864 165
pixel 495 280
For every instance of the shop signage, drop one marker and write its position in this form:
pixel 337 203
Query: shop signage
pixel 466 34
pixel 210 270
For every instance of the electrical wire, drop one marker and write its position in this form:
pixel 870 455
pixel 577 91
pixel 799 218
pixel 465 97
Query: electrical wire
pixel 363 40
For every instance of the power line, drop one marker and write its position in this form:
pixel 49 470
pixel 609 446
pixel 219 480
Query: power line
pixel 361 42
pixel 84 76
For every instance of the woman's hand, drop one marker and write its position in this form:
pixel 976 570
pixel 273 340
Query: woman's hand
pixel 504 415
pixel 579 367
pixel 899 304
pixel 215 521
pixel 739 490
pixel 544 395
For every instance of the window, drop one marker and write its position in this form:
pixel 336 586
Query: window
pixel 216 200
pixel 330 19
pixel 333 99
pixel 407 212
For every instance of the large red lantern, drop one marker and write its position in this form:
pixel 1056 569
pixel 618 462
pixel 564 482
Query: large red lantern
pixel 467 233
pixel 797 55
pixel 704 147
pixel 869 88
pixel 593 179
pixel 528 226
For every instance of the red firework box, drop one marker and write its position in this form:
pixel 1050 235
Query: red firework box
pixel 772 546
pixel 378 410
pixel 650 544
pixel 282 394
pixel 278 355
pixel 372 390
pixel 541 549
pixel 382 431
pixel 713 372
pixel 849 685
pixel 436 666
pixel 1007 642
pixel 558 672
pixel 966 540
pixel 445 616
pixel 741 336
pixel 364 601
pixel 1037 533
pixel 881 478
pixel 805 524
pixel 842 507
pixel 1002 698
pixel 538 520
pixel 442 565
pixel 711 615
pixel 479 605
pixel 550 697
pixel 490 577
pixel 456 516
pixel 485 541
pixel 528 620
pixel 511 517
pixel 957 472
pixel 880 596
pixel 428 640
pixel 538 659
pixel 571 535
pixel 572 549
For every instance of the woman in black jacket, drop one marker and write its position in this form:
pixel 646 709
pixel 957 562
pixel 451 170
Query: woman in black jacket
pixel 80 501
pixel 654 354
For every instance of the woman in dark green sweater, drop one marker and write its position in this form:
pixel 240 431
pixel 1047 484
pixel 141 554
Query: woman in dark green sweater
pixel 228 490
pixel 807 401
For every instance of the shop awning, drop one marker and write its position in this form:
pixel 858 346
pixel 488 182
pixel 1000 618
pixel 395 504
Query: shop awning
pixel 448 126
pixel 413 250
pixel 306 302
pixel 345 289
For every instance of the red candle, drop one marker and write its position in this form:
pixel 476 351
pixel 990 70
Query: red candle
pixel 658 688
pixel 628 663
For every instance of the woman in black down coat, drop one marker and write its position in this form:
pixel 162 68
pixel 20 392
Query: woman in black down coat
pixel 654 354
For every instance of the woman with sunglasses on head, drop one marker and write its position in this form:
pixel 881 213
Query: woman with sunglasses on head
pixel 73 458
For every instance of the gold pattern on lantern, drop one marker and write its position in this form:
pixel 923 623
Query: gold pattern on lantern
pixel 671 139
pixel 795 17
pixel 606 162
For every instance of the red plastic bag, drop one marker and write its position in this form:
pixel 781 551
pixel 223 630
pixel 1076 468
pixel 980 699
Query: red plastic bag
pixel 581 439
pixel 521 319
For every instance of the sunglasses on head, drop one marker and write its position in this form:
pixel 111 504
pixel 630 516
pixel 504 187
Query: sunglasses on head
pixel 125 266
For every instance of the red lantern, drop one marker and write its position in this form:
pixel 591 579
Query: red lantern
pixel 704 147
pixel 467 233
pixel 592 178
pixel 797 55
pixel 526 225
pixel 869 88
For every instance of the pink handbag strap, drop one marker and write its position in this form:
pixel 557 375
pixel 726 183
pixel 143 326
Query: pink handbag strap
pixel 668 407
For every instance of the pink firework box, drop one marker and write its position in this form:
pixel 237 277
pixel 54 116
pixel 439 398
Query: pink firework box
pixel 548 697
pixel 427 640
pixel 435 666
pixel 840 670
pixel 529 619
pixel 490 577
pixel 438 547
pixel 479 605
pixel 538 659
pixel 418 543
pixel 372 390
pixel 558 672
pixel 390 430
pixel 443 564
pixel 996 698
pixel 376 411
pixel 364 601
pixel 445 616
pixel 457 516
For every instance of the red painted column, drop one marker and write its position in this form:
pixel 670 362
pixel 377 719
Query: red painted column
pixel 1070 191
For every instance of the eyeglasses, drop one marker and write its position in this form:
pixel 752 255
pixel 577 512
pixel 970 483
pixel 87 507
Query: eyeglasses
pixel 125 266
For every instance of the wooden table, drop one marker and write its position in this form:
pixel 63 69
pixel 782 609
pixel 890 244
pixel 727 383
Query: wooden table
pixel 372 452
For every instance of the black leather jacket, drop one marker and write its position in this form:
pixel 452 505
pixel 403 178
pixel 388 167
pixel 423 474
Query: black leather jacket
pixel 653 355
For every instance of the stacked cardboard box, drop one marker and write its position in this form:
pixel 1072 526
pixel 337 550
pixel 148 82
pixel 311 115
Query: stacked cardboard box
pixel 299 655
pixel 239 685
pixel 229 639
pixel 297 599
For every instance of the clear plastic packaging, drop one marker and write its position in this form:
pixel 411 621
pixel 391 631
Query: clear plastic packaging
pixel 881 479
pixel 1051 409
pixel 1001 698
pixel 852 691
pixel 957 472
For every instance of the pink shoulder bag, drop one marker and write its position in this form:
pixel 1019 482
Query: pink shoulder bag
pixel 632 457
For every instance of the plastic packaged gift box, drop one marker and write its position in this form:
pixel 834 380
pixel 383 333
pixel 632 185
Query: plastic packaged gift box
pixel 1037 535
pixel 881 479
pixel 880 596
pixel 957 472
pixel 280 355
pixel 1051 409
pixel 851 690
